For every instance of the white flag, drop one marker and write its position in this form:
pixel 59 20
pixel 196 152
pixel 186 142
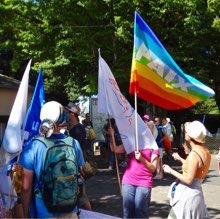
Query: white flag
pixel 13 140
pixel 13 136
pixel 111 101
pixel 8 194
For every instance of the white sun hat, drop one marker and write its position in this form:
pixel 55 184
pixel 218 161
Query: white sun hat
pixel 196 130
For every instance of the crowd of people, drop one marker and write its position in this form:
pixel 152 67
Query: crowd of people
pixel 61 125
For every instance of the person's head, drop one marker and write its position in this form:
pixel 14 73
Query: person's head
pixel 87 116
pixel 157 121
pixel 86 122
pixel 110 122
pixel 152 128
pixel 74 112
pixel 168 119
pixel 195 131
pixel 146 118
pixel 164 121
pixel 53 118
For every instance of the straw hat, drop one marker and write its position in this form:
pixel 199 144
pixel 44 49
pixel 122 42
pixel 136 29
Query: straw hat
pixel 196 130
pixel 73 108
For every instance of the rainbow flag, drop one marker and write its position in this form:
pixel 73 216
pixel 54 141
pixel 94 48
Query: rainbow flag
pixel 155 76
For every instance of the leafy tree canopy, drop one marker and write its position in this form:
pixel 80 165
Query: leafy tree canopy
pixel 63 37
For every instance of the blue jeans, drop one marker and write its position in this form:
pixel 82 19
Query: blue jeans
pixel 136 201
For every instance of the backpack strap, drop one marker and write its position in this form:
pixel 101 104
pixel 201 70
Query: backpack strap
pixel 199 157
pixel 49 142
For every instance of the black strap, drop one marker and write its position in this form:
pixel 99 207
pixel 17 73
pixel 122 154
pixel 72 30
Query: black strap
pixel 199 157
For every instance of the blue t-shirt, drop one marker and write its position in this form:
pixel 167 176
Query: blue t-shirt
pixel 32 158
pixel 160 135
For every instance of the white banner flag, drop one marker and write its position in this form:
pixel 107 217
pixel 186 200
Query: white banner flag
pixel 111 101
pixel 12 140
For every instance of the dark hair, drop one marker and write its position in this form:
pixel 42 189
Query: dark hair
pixel 86 122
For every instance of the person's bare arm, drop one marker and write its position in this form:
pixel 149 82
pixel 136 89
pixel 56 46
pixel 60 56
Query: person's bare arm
pixel 149 165
pixel 26 190
pixel 82 171
pixel 193 163
pixel 117 149
pixel 176 156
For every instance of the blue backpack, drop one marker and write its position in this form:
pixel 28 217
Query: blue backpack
pixel 58 183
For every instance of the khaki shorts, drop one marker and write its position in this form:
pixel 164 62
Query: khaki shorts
pixel 83 198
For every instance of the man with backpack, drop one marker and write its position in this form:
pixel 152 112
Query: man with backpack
pixel 78 132
pixel 51 164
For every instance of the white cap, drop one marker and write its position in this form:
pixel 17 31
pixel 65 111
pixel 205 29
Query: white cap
pixel 52 113
pixel 51 110
pixel 196 130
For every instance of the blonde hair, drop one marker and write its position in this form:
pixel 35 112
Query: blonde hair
pixel 153 128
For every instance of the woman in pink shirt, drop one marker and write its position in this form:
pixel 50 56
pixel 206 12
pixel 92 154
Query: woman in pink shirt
pixel 137 180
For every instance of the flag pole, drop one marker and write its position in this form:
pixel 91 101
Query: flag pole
pixel 136 126
pixel 118 174
pixel 203 118
pixel 135 95
pixel 135 107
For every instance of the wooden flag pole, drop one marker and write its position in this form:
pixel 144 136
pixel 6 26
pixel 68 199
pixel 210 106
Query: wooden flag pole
pixel 118 173
pixel 116 159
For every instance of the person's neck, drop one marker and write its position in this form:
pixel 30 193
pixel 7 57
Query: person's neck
pixel 57 130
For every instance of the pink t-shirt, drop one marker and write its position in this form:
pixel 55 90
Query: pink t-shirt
pixel 136 173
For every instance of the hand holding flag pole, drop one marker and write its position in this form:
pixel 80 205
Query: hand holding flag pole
pixel 112 102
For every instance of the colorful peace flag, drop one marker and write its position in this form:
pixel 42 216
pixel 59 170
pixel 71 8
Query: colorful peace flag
pixel 155 76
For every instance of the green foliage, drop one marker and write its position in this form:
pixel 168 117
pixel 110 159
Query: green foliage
pixel 63 37
pixel 206 107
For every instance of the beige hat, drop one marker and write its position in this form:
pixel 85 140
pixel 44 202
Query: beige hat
pixel 196 130
pixel 73 108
